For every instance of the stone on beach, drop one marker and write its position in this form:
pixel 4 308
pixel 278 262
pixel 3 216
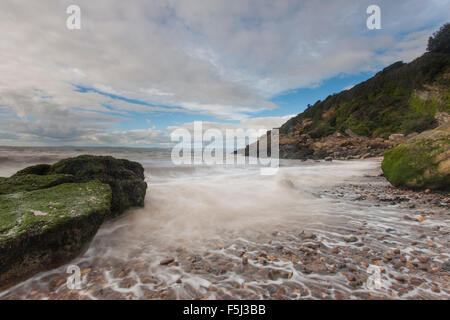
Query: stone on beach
pixel 166 261
pixel 422 162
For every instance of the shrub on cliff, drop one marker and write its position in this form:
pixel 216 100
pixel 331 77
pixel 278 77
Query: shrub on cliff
pixel 440 41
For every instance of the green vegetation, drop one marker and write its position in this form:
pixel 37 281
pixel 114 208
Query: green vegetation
pixel 41 210
pixel 440 41
pixel 29 182
pixel 403 98
pixel 126 178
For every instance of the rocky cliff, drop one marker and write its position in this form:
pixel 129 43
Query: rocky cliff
pixel 402 100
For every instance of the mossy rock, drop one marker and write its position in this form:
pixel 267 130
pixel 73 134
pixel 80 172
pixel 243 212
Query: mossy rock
pixel 423 162
pixel 39 169
pixel 49 213
pixel 29 182
pixel 44 228
pixel 126 178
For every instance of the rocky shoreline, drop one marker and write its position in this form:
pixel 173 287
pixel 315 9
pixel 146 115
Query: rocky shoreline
pixel 406 241
pixel 337 146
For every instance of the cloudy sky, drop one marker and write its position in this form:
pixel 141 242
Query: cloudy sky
pixel 138 69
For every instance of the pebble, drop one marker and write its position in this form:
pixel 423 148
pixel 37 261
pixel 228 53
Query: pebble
pixel 416 281
pixel 423 259
pixel 273 274
pixel 351 268
pixel 262 254
pixel 429 243
pixel 436 289
pixel 127 283
pixel 308 235
pixel 351 239
pixel 400 278
pixel 166 261
pixel 423 267
pixel 446 266
pixel 350 277
pixel 316 267
pixel 148 279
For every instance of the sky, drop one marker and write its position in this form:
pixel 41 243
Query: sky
pixel 137 70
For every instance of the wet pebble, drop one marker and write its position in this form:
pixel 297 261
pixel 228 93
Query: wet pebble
pixel 351 239
pixel 166 261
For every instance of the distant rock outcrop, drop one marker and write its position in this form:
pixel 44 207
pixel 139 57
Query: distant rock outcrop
pixel 335 146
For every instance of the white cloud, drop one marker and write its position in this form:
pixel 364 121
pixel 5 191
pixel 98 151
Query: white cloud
pixel 266 123
pixel 150 137
pixel 218 58
pixel 65 134
pixel 256 127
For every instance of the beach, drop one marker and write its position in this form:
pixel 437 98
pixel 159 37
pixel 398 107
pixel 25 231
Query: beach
pixel 315 230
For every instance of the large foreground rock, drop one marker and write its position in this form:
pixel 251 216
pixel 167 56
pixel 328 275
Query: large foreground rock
pixel 42 229
pixel 50 213
pixel 126 178
pixel 421 162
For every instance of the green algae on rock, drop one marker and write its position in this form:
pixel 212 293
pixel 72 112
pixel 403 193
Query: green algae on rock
pixel 422 162
pixel 44 228
pixel 126 178
pixel 49 213
pixel 29 182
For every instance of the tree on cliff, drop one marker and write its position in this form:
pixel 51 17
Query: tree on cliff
pixel 440 41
